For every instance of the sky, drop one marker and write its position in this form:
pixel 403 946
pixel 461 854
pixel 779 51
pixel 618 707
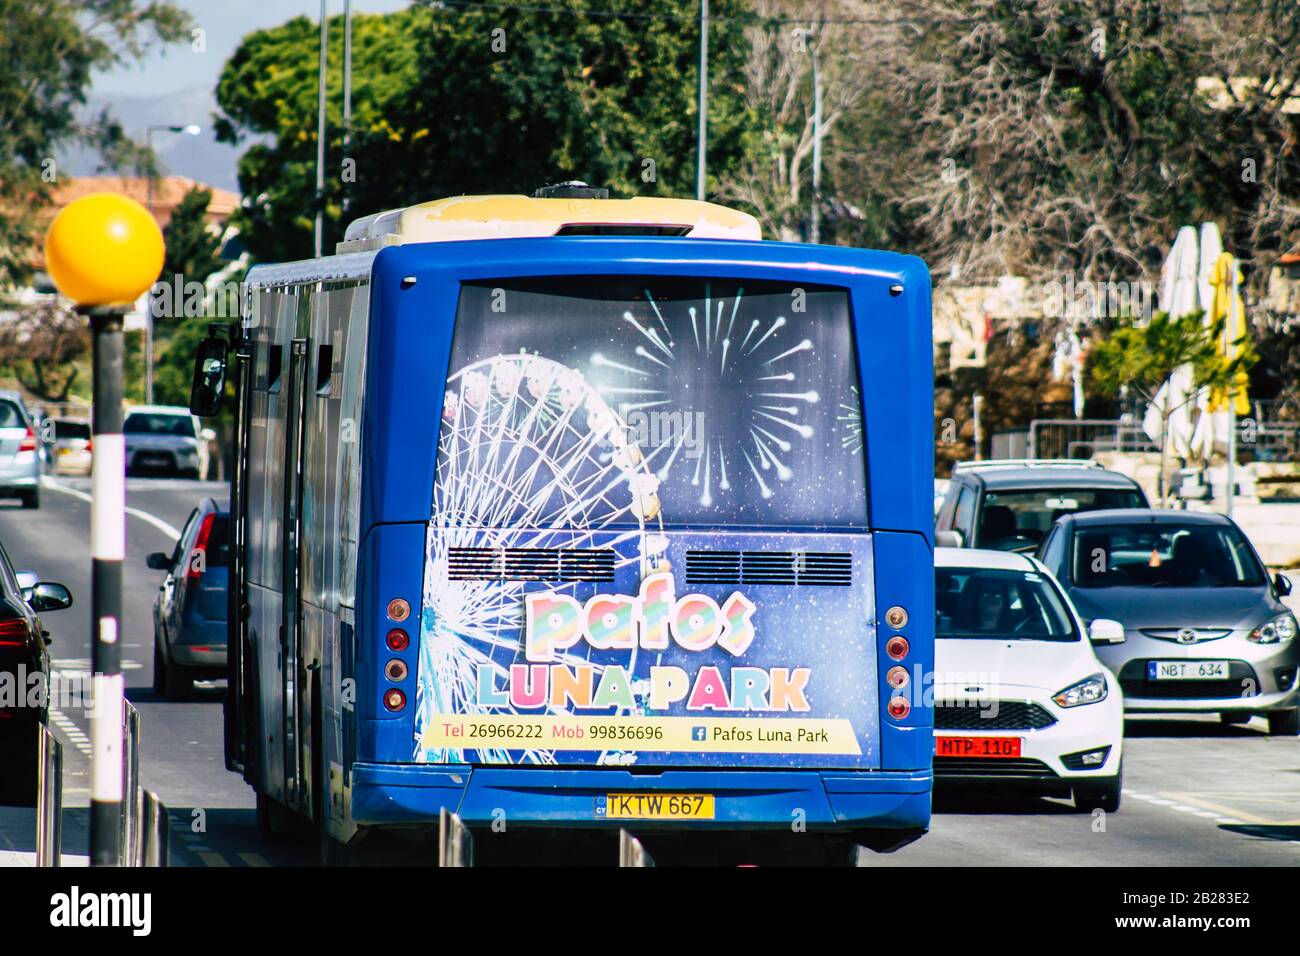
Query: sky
pixel 225 23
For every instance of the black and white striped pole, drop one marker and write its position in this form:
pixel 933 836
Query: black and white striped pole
pixel 103 252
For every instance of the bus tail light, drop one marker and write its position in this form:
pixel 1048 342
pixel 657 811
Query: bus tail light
pixel 394 700
pixel 897 647
pixel 397 640
pixel 896 677
pixel 896 617
pixel 396 671
pixel 899 707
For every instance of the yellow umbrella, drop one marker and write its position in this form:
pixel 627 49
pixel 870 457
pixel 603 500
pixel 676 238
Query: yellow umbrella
pixel 1229 308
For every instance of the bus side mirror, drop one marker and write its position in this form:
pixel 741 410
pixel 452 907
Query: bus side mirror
pixel 209 377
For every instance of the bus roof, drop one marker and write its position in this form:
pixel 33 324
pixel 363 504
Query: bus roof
pixel 515 217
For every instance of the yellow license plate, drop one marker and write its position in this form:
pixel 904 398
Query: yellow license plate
pixel 656 806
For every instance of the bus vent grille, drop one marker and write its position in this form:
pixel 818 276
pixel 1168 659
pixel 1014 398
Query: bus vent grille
pixel 826 568
pixel 531 564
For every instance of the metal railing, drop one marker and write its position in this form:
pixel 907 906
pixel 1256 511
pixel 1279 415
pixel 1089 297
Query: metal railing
pixel 144 834
pixel 631 852
pixel 455 843
pixel 49 799
pixel 1083 437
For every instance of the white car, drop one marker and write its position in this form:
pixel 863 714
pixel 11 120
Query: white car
pixel 165 439
pixel 1021 700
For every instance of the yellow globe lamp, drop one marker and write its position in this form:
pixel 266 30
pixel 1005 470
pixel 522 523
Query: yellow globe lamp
pixel 104 250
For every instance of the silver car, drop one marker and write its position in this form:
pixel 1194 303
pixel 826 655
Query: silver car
pixel 20 458
pixel 1205 625
pixel 165 439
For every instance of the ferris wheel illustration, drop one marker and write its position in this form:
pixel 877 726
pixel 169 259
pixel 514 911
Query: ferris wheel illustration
pixel 530 456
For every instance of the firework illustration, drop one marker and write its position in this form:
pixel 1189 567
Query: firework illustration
pixel 848 418
pixel 529 456
pixel 719 371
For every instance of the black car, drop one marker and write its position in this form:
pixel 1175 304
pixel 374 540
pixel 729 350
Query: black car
pixel 24 679
pixel 1010 505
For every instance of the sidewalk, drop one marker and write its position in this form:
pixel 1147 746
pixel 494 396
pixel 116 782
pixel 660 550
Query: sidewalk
pixel 18 836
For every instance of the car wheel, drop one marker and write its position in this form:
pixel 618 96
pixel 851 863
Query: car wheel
pixel 1102 794
pixel 31 499
pixel 1284 723
pixel 159 669
pixel 1235 717
pixel 19 783
pixel 170 680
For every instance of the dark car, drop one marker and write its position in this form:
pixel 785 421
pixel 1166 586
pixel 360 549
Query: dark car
pixel 1205 625
pixel 189 612
pixel 1011 505
pixel 24 679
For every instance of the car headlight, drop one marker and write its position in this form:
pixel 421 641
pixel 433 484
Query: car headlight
pixel 1281 628
pixel 1090 690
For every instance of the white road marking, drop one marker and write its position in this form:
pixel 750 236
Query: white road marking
pixel 163 526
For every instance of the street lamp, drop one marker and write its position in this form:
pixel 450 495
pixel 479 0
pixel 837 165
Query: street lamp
pixel 190 130
pixel 103 252
pixel 815 230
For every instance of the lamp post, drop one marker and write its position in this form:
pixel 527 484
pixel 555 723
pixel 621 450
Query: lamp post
pixel 702 134
pixel 103 252
pixel 318 231
pixel 190 130
pixel 815 229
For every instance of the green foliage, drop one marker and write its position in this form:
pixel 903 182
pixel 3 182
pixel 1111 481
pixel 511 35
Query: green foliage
pixel 1144 355
pixel 50 50
pixel 440 109
pixel 191 246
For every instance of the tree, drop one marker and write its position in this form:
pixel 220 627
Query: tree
pixel 1046 136
pixel 50 51
pixel 1143 356
pixel 41 343
pixel 453 101
pixel 192 246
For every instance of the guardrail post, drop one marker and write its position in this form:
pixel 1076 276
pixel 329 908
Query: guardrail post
pixel 631 852
pixel 49 799
pixel 129 819
pixel 455 843
pixel 155 834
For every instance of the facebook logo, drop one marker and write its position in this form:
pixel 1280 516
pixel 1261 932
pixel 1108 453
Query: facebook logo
pixel 699 733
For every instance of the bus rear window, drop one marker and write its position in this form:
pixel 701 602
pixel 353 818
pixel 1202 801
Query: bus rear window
pixel 705 401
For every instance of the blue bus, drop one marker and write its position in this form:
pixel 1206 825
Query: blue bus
pixel 564 513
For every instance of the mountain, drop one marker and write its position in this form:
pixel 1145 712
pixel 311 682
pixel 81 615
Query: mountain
pixel 198 157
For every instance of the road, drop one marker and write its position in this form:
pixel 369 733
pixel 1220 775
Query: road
pixel 1196 793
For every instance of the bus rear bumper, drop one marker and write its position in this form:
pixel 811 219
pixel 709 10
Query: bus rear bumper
pixel 415 794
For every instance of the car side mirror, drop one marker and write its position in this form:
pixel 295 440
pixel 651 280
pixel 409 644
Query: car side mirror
pixel 159 560
pixel 947 539
pixel 1106 631
pixel 207 434
pixel 1282 583
pixel 48 596
pixel 209 377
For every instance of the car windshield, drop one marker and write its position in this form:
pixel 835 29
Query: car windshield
pixel 1165 554
pixel 149 423
pixel 1020 518
pixel 999 604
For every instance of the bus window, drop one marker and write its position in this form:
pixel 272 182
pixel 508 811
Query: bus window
pixel 735 403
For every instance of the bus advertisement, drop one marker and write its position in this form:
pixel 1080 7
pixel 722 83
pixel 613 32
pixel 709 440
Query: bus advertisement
pixel 564 513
